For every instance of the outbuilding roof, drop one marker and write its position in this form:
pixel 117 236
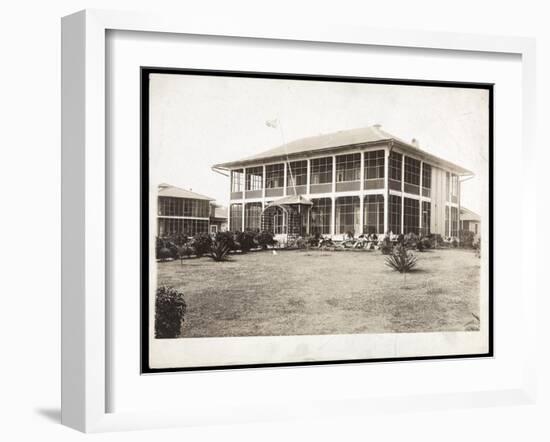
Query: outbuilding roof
pixel 340 140
pixel 177 192
pixel 468 215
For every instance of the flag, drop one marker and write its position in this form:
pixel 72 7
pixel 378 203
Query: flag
pixel 272 123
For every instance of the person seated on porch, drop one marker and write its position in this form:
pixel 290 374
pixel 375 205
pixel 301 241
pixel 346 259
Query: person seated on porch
pixel 361 241
pixel 324 241
pixel 379 240
pixel 347 240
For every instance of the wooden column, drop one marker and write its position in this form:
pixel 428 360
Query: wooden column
pixel 362 196
pixel 386 190
pixel 420 201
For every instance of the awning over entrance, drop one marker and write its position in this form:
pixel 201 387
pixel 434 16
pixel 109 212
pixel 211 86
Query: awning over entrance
pixel 291 199
pixel 287 215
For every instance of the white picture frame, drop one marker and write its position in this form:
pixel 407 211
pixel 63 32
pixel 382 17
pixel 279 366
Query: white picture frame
pixel 85 308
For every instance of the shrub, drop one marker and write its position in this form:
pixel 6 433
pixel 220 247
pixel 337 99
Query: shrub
pixel 437 240
pixel 454 242
pixel 226 238
pixel 264 239
pixel 164 253
pixel 201 243
pixel 401 260
pixel 466 238
pixel 426 242
pixel 168 244
pixel 219 250
pixel 410 240
pixel 185 251
pixel 170 308
pixel 245 240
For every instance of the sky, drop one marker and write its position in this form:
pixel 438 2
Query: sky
pixel 198 121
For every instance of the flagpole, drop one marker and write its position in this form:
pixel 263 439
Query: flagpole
pixel 277 123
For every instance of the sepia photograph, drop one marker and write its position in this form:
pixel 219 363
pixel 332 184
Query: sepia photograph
pixel 300 220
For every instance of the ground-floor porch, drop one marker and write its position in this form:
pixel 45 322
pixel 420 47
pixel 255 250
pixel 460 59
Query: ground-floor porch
pixel 336 215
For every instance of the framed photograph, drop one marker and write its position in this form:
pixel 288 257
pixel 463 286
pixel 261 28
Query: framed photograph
pixel 252 211
pixel 330 241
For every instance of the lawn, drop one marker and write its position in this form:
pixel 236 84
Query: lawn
pixel 319 292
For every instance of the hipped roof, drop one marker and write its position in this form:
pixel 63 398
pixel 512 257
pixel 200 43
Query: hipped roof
pixel 340 140
pixel 177 192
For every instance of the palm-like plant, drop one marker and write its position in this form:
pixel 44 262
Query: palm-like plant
pixel 219 251
pixel 401 260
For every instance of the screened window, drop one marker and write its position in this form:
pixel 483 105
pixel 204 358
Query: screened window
pixel 426 217
pixel 169 206
pixel 254 178
pixel 348 167
pixel 321 170
pixel 394 166
pixel 236 217
pixel 320 215
pixel 252 216
pixel 374 164
pixel 426 176
pixel 447 221
pixel 196 208
pixel 297 173
pixel 454 188
pixel 411 218
pixel 454 221
pixel 174 226
pixel 347 214
pixel 274 176
pixel 374 214
pixel 412 171
pixel 237 180
pixel 395 214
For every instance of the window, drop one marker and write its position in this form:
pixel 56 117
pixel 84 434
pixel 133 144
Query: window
pixel 320 215
pixel 426 176
pixel 374 165
pixel 297 173
pixel 412 171
pixel 237 177
pixel 411 216
pixel 394 166
pixel 426 217
pixel 348 167
pixel 236 217
pixel 475 228
pixel 274 176
pixel 374 214
pixel 279 225
pixel 395 214
pixel 321 170
pixel 196 208
pixel 169 206
pixel 190 227
pixel 454 221
pixel 454 188
pixel 252 216
pixel 347 214
pixel 447 186
pixel 254 178
pixel 447 220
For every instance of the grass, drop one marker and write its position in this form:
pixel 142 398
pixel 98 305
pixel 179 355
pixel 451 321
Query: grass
pixel 316 292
